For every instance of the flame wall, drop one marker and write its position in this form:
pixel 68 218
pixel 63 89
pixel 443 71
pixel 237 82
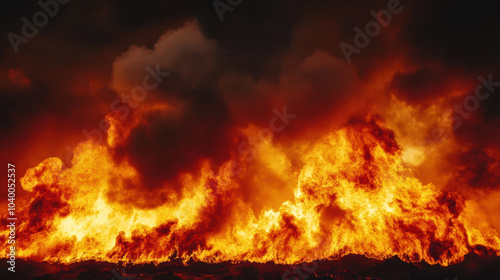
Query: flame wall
pixel 263 143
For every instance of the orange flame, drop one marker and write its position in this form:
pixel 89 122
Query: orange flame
pixel 349 192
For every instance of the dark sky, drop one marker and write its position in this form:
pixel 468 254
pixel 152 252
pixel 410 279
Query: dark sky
pixel 225 77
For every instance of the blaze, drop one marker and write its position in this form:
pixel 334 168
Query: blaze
pixel 352 191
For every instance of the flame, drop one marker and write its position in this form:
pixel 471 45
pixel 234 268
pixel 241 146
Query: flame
pixel 353 191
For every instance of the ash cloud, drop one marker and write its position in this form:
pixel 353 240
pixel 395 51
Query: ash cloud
pixel 207 103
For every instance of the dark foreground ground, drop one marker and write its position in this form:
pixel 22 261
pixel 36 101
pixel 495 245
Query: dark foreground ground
pixel 350 267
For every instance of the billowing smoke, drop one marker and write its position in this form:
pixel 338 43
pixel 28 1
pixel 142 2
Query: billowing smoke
pixel 224 121
pixel 205 104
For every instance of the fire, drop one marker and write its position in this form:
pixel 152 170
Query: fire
pixel 350 192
